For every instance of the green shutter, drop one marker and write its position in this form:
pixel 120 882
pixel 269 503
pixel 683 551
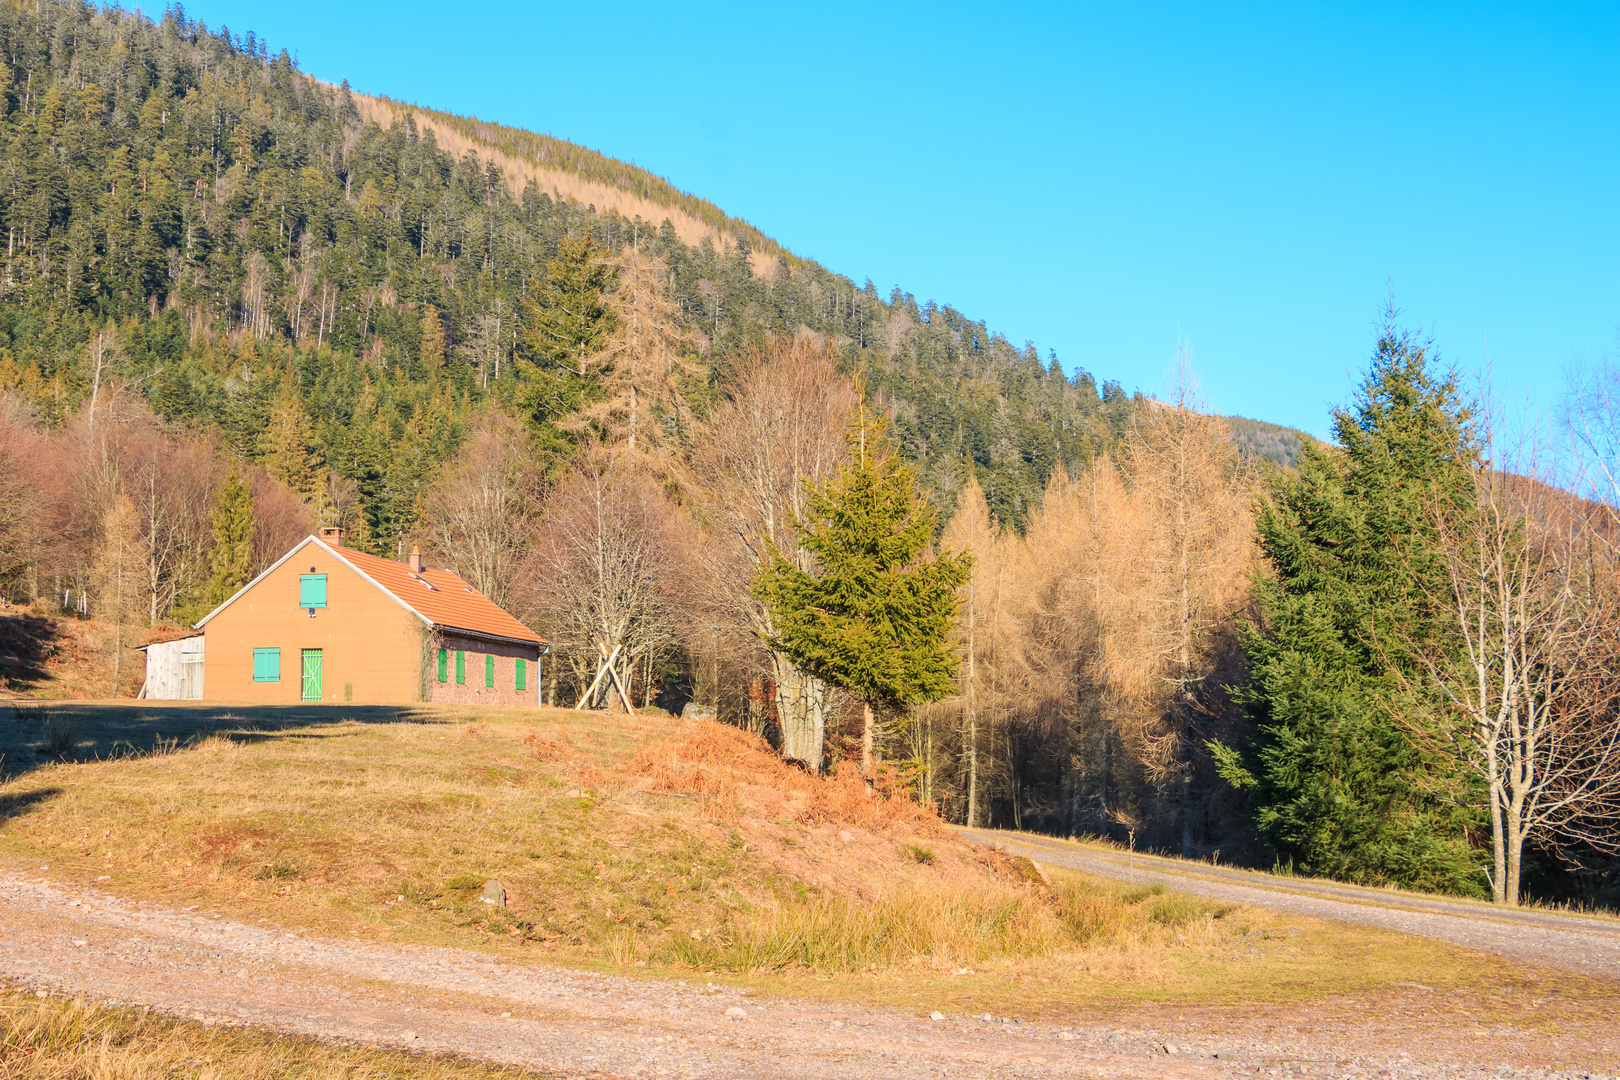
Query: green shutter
pixel 522 675
pixel 311 590
pixel 444 665
pixel 461 668
pixel 266 665
pixel 489 671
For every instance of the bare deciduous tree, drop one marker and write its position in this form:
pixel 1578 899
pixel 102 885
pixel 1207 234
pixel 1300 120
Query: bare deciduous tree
pixel 21 503
pixel 602 569
pixel 780 434
pixel 280 519
pixel 1532 692
pixel 119 569
pixel 987 631
pixel 488 341
pixel 170 483
pixel 478 516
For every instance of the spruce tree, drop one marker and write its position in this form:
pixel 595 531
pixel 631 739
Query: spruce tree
pixel 566 315
pixel 566 320
pixel 875 617
pixel 1341 785
pixel 231 561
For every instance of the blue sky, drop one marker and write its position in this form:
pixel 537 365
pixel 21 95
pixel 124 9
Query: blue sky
pixel 1097 178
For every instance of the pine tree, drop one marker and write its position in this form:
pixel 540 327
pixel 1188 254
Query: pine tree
pixel 289 451
pixel 1342 787
pixel 433 339
pixel 876 617
pixel 231 562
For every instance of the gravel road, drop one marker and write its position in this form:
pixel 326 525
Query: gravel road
pixel 1578 943
pixel 56 937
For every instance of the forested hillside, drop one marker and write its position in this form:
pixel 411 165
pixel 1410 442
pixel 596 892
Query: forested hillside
pixel 245 246
pixel 1268 442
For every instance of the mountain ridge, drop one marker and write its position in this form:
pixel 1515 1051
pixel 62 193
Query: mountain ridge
pixel 587 176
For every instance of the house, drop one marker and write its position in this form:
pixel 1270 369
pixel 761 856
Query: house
pixel 329 624
pixel 174 669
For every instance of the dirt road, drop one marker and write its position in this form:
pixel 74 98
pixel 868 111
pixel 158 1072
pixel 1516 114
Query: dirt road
pixel 201 964
pixel 1590 946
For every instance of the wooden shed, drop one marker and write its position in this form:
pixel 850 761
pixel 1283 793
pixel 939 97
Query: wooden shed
pixel 329 624
pixel 174 669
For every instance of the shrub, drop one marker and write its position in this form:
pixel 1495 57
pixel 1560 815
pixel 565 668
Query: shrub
pixel 58 739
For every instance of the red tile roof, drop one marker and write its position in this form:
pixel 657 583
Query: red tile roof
pixel 450 602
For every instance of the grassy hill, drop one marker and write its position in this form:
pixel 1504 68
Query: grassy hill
pixel 641 843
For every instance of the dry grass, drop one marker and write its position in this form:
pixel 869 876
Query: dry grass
pixel 58 1039
pixel 635 842
pixel 975 922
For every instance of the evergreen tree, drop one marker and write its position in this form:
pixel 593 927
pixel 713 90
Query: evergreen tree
pixel 1342 788
pixel 231 561
pixel 566 321
pixel 433 339
pixel 876 616
pixel 566 313
pixel 289 451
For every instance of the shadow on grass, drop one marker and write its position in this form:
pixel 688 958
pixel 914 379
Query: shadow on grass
pixel 26 643
pixel 33 735
pixel 12 805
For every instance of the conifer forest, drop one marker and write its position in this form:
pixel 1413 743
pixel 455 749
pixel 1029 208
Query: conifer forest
pixel 234 307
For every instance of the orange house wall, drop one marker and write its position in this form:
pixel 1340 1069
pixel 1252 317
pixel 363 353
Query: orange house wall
pixel 371 648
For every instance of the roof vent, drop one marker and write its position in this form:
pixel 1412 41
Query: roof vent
pixel 414 559
pixel 332 534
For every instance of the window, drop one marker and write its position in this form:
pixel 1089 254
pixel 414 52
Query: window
pixel 311 590
pixel 444 665
pixel 522 674
pixel 461 668
pixel 489 672
pixel 266 665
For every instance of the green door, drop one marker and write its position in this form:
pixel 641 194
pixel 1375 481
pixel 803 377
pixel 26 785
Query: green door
pixel 312 675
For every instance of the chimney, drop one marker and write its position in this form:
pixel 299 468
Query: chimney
pixel 414 559
pixel 332 535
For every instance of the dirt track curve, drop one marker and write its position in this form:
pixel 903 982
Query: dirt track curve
pixel 1588 945
pixel 58 937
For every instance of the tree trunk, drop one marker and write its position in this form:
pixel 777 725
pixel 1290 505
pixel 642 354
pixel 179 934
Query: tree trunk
pixel 866 748
pixel 1186 811
pixel 973 771
pixel 1515 856
pixel 1498 830
pixel 972 710
pixel 801 710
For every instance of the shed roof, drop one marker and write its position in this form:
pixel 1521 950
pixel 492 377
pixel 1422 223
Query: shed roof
pixel 437 597
pixel 168 637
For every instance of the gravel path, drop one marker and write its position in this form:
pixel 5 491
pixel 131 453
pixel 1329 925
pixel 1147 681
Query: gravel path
pixel 56 937
pixel 1590 946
